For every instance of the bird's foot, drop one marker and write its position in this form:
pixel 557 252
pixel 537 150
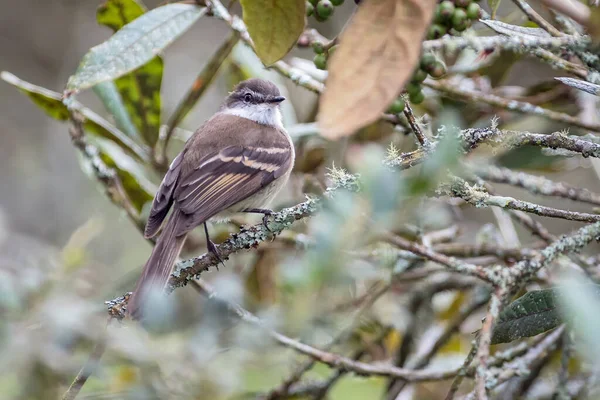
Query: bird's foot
pixel 212 248
pixel 265 219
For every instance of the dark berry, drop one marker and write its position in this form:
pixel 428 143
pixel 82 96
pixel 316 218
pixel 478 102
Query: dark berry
pixel 324 8
pixel 337 2
pixel 462 3
pixel 397 106
pixel 313 2
pixel 320 61
pixel 473 11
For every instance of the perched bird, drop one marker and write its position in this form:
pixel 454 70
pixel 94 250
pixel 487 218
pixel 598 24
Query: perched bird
pixel 237 161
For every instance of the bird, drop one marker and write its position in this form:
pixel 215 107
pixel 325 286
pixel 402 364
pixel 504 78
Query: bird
pixel 237 161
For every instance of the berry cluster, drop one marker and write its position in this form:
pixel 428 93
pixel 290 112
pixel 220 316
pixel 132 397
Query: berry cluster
pixel 322 54
pixel 453 15
pixel 429 65
pixel 321 9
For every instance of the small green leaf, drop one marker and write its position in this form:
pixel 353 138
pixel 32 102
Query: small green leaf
pixel 494 4
pixel 534 313
pixel 51 103
pixel 134 45
pixel 274 26
pixel 141 93
pixel 140 89
pixel 113 102
pixel 117 13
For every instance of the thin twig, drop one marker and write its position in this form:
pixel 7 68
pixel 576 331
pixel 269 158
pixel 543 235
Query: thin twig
pixel 87 370
pixel 485 339
pixel 451 327
pixel 575 10
pixel 536 184
pixel 284 387
pixel 330 359
pixel 462 372
pixel 449 262
pixel 537 18
pixel 474 97
pixel 478 197
pixel 408 112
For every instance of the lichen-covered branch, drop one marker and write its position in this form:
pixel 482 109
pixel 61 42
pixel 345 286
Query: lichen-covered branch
pixel 247 238
pixel 536 184
pixel 563 246
pixel 453 90
pixel 516 44
pixel 478 197
pixel 486 274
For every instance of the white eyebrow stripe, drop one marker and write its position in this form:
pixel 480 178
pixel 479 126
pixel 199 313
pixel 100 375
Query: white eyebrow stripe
pixel 270 150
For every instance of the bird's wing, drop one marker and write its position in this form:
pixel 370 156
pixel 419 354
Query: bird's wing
pixel 227 177
pixel 163 198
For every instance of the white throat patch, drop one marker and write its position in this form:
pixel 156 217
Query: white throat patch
pixel 264 114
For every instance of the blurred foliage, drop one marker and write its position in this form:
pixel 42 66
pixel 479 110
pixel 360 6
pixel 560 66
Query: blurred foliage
pixel 336 281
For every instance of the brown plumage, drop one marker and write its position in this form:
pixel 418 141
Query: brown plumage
pixel 232 163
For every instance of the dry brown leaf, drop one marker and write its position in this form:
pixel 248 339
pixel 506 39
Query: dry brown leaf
pixel 377 55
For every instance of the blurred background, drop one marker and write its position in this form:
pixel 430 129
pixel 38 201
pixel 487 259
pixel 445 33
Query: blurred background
pixel 60 235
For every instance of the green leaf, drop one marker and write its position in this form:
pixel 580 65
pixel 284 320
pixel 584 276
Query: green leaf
pixel 140 89
pixel 51 103
pixel 274 26
pixel 117 13
pixel 113 102
pixel 134 45
pixel 141 93
pixel 534 313
pixel 494 4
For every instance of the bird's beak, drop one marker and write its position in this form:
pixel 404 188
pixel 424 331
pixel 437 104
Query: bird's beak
pixel 275 99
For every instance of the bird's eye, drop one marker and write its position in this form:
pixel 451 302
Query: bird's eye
pixel 247 97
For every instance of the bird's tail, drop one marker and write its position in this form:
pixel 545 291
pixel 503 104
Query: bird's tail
pixel 158 267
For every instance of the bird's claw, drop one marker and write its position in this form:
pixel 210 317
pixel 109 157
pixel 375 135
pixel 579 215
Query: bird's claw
pixel 212 248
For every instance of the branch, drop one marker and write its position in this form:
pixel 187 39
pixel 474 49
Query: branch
pixel 188 270
pixel 537 18
pixel 485 339
pixel 330 359
pixel 510 105
pixel 410 116
pixel 536 184
pixel 565 245
pixel 572 9
pixel 519 44
pixel 87 370
pixel 478 197
pixel 449 262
